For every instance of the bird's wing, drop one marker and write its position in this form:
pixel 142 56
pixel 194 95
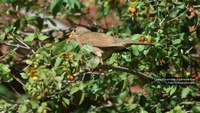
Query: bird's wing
pixel 100 40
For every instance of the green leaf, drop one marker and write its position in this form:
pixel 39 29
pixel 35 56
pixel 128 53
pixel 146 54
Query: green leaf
pixel 58 62
pixel 158 110
pixel 94 62
pixel 63 46
pixel 173 90
pixel 187 103
pixel 87 48
pixel 182 5
pixel 42 37
pixel 4 69
pixel 23 109
pixel 123 95
pixel 196 109
pixel 135 36
pixel 9 28
pixel 60 78
pixel 134 50
pixel 2 36
pixel 29 38
pixel 176 42
pixel 178 109
pixel 106 10
pixel 185 92
pixel 142 110
pixel 74 43
pixel 6 92
pixel 78 97
pixel 132 106
pixel 66 100
pixel 34 104
pixel 24 76
pixel 146 51
pixel 74 90
pixel 55 6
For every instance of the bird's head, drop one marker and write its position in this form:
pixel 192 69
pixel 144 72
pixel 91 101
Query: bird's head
pixel 78 31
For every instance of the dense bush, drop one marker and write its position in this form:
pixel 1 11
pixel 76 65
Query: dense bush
pixel 43 71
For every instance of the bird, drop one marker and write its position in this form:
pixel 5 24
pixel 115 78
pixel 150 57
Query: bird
pixel 103 45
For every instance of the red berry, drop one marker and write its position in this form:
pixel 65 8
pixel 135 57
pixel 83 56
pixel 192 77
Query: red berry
pixel 71 77
pixel 44 94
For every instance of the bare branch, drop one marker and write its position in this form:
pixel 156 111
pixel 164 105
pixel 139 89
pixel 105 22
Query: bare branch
pixel 14 45
pixel 132 71
pixel 8 100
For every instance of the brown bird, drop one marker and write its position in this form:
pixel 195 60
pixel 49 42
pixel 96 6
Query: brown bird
pixel 104 45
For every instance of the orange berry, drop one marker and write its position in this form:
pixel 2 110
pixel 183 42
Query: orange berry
pixel 133 10
pixel 145 41
pixel 44 94
pixel 35 78
pixel 152 39
pixel 162 62
pixel 70 57
pixel 142 39
pixel 31 72
pixel 197 78
pixel 71 77
pixel 126 99
pixel 107 97
pixel 71 36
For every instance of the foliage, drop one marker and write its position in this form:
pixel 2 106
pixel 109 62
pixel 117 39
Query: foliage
pixel 59 76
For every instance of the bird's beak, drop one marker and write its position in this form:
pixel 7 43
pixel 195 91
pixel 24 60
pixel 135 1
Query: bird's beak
pixel 71 36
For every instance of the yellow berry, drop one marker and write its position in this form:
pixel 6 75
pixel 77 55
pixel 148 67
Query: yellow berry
pixel 133 10
pixel 35 78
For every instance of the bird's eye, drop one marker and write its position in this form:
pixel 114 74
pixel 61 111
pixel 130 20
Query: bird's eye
pixel 74 30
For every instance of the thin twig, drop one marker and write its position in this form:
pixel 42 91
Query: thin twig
pixel 14 45
pixel 20 81
pixel 109 105
pixel 16 92
pixel 132 71
pixel 196 6
pixel 192 47
pixel 177 16
pixel 23 42
pixel 8 100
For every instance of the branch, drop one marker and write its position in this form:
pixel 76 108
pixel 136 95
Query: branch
pixel 177 16
pixel 8 100
pixel 15 45
pixel 16 37
pixel 196 6
pixel 131 71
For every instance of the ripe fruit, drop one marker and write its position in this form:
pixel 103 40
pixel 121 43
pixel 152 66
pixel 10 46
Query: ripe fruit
pixel 107 97
pixel 31 73
pixel 142 39
pixel 197 78
pixel 70 57
pixel 162 62
pixel 145 41
pixel 152 39
pixel 71 77
pixel 133 10
pixel 44 94
pixel 126 99
pixel 35 78
pixel 71 36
